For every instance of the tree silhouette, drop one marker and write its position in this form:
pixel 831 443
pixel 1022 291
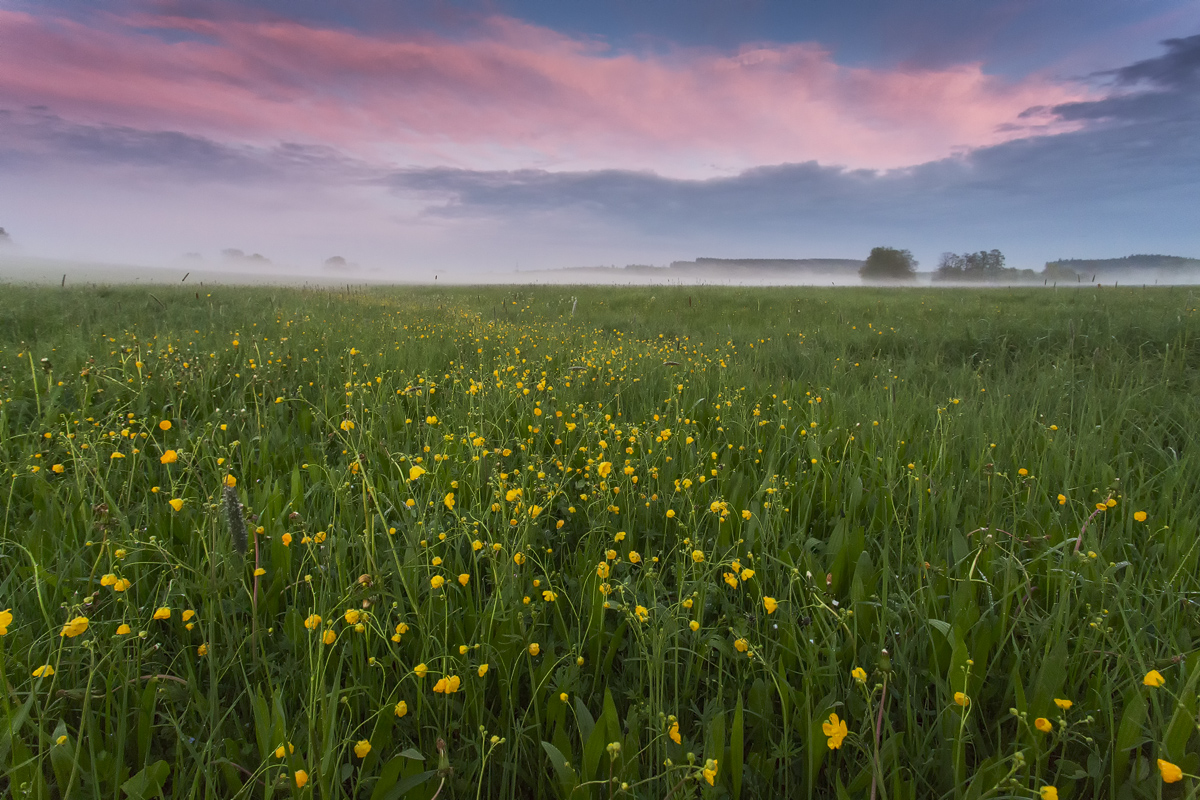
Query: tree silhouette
pixel 888 263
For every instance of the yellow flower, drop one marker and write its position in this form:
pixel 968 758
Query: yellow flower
pixel 604 469
pixel 401 708
pixel 731 579
pixel 436 581
pixel 431 420
pixel 352 616
pixel 44 671
pixel 741 645
pixel 694 625
pixel 415 472
pixel 6 619
pixel 312 622
pixel 836 730
pixel 602 570
pixel 169 457
pixel 1140 516
pixel 448 500
pixel 1042 724
pixel 1048 793
pixel 463 579
pixel 746 514
pixel 770 604
pixel 176 503
pixel 259 572
pixel 420 670
pixel 698 556
pixel 165 425
pixel 642 613
pixel 1063 704
pixel 361 748
pixel 674 733
pixel 61 740
pixel 230 481
pixel 301 778
pixel 518 558
pixel 961 699
pixel 75 627
pixel 1062 499
pixel 122 584
pixel 162 613
pixel 108 580
pixel 710 771
pixel 1153 678
pixel 859 674
pixel 483 668
pixel 564 697
pixel 549 596
pixel 1170 772
pixel 534 649
pixel 330 637
pixel 635 557
pixel 58 469
pixel 747 574
pixel 202 650
pixel 188 614
pixel 122 629
pixel 535 510
pixel 286 539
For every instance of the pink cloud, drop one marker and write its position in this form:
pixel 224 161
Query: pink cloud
pixel 509 95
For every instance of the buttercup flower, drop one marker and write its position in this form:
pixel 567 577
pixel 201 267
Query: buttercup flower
pixel 483 668
pixel 961 699
pixel 1042 724
pixel 770 604
pixel 1048 793
pixel 44 671
pixel 6 619
pixel 361 748
pixel 836 730
pixel 401 708
pixel 74 628
pixel 534 649
pixel 162 613
pixel 1154 678
pixel 1063 704
pixel 859 674
pixel 674 733
pixel 1170 772
pixel 301 778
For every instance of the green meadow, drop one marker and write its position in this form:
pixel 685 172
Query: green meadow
pixel 569 542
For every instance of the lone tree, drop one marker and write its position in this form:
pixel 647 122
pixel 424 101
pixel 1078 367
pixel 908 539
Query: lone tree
pixel 888 263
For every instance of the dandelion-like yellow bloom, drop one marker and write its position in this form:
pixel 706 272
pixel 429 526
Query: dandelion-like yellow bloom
pixel 694 625
pixel 202 650
pixel 258 573
pixel 165 425
pixel 1044 725
pixel 6 619
pixel 230 481
pixel 122 584
pixel 741 645
pixel 961 699
pixel 330 636
pixel 859 674
pixel 635 557
pixel 1154 678
pixel 108 580
pixel 122 629
pixel 420 670
pixel 162 613
pixel 401 708
pixel 352 616
pixel 448 500
pixel 731 579
pixel 1140 516
pixel 361 748
pixel 188 614
pixel 698 556
pixel 836 730
pixel 1063 704
pixel 347 425
pixel 642 613
pixel 564 697
pixel 746 515
pixel 518 558
pixel 436 581
pixel 169 457
pixel 602 570
pixel 286 539
pixel 747 574
pixel 670 513
pixel 1048 793
pixel 312 622
pixel 58 469
pixel 301 778
pixel 549 596
pixel 176 503
pixel 534 649
pixel 44 671
pixel 483 668
pixel 770 604
pixel 604 469
pixel 1170 772
pixel 674 733
pixel 463 579
pixel 415 472
pixel 1062 499
pixel 710 771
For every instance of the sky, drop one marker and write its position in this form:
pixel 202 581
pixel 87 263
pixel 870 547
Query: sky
pixel 484 135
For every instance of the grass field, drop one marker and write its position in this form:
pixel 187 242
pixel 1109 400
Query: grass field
pixel 584 542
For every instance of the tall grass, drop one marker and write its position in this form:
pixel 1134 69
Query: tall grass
pixel 496 544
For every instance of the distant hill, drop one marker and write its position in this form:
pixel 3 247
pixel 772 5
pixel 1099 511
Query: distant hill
pixel 773 264
pixel 1135 262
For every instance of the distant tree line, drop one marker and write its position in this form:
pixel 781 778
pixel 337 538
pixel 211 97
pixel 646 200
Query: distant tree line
pixel 889 264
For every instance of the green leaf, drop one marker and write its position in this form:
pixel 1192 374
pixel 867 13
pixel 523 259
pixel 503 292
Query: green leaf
pixel 406 785
pixel 567 780
pixel 737 746
pixel 148 783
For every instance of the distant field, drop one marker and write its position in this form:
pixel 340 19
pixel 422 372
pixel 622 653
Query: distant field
pixel 627 543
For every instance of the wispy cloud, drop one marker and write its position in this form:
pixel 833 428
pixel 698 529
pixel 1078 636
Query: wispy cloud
pixel 508 94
